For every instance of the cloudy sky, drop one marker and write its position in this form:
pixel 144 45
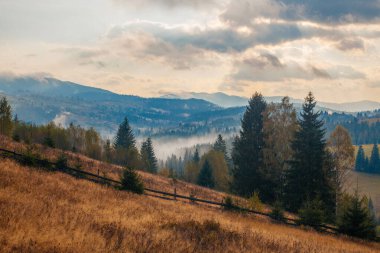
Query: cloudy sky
pixel 153 47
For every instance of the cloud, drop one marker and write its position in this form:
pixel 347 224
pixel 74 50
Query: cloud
pixel 196 4
pixel 333 11
pixel 266 67
pixel 351 44
pixel 242 13
pixel 321 73
pixel 221 39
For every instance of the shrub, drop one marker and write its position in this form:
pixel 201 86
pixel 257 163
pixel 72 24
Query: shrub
pixel 16 137
pixel 192 195
pixel 61 162
pixel 254 202
pixel 131 181
pixel 228 203
pixel 277 212
pixel 312 213
pixel 32 158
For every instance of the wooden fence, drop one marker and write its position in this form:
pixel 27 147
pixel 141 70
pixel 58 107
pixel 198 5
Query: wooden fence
pixel 165 195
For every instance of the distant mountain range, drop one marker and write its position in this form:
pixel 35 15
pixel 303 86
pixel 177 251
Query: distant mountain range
pixel 42 100
pixel 225 100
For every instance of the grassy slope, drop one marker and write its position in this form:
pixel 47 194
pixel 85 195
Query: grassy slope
pixel 53 212
pixel 369 184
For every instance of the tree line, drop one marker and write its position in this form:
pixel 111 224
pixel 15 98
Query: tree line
pixel 368 164
pixel 77 139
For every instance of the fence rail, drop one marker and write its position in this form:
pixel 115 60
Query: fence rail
pixel 110 181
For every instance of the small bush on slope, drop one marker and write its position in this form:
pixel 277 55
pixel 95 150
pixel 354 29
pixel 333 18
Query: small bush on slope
pixel 131 181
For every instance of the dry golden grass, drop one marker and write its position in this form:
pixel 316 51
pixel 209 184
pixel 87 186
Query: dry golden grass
pixel 156 182
pixel 54 212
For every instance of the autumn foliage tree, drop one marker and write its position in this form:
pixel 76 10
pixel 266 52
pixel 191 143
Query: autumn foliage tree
pixel 280 126
pixel 343 154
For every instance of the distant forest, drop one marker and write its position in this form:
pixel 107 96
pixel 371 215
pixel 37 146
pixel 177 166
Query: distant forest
pixel 364 128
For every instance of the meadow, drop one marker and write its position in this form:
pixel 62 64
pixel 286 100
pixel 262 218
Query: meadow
pixel 54 212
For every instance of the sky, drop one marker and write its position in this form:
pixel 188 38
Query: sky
pixel 154 47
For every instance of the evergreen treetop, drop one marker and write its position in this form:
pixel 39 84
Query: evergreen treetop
pixel 308 177
pixel 247 152
pixel 360 164
pixel 148 157
pixel 124 137
pixel 220 145
pixel 205 177
pixel 357 219
pixel 374 162
pixel 196 157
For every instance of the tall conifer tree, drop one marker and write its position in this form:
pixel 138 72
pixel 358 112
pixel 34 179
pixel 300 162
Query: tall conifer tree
pixel 247 152
pixel 126 152
pixel 124 137
pixel 205 177
pixel 360 164
pixel 148 157
pixel 307 178
pixel 374 162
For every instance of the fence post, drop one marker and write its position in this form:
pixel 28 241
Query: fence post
pixel 175 193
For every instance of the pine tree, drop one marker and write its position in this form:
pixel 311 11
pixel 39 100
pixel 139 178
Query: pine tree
pixel 220 145
pixel 374 162
pixel 125 146
pixel 196 157
pixel 148 157
pixel 357 219
pixel 6 123
pixel 360 164
pixel 205 177
pixel 307 178
pixel 247 152
pixel 131 181
pixel 124 137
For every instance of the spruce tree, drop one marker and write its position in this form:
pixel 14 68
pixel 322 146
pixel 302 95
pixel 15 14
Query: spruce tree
pixel 360 164
pixel 205 177
pixel 220 145
pixel 307 178
pixel 196 157
pixel 124 137
pixel 6 123
pixel 126 152
pixel 374 162
pixel 247 152
pixel 148 157
pixel 357 219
